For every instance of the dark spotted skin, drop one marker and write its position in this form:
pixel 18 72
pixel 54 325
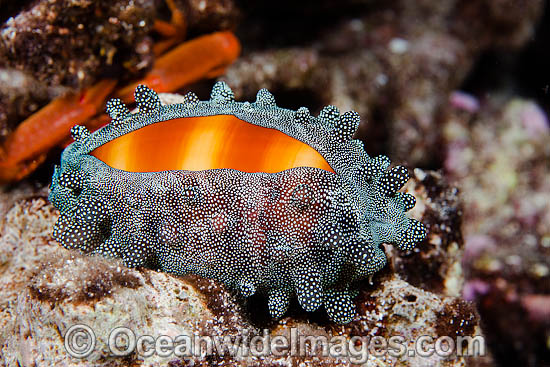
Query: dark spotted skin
pixel 302 232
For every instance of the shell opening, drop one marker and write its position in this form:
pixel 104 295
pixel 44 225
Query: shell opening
pixel 202 143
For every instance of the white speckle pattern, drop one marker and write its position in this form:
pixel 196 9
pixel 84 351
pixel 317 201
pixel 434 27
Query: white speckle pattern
pixel 79 132
pixel 190 99
pixel 303 231
pixel 117 110
pixel 221 94
pixel 330 115
pixel 146 99
pixel 265 98
pixel 348 124
pixel 302 115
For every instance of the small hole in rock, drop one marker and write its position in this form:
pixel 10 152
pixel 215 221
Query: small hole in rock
pixel 410 298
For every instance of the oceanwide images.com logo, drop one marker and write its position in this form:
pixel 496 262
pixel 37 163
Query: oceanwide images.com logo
pixel 80 342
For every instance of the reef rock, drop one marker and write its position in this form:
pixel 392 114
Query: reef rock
pixel 499 156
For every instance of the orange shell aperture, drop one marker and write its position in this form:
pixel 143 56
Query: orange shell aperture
pixel 202 143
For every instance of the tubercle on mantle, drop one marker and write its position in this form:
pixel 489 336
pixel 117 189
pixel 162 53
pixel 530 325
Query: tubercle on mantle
pixel 304 231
